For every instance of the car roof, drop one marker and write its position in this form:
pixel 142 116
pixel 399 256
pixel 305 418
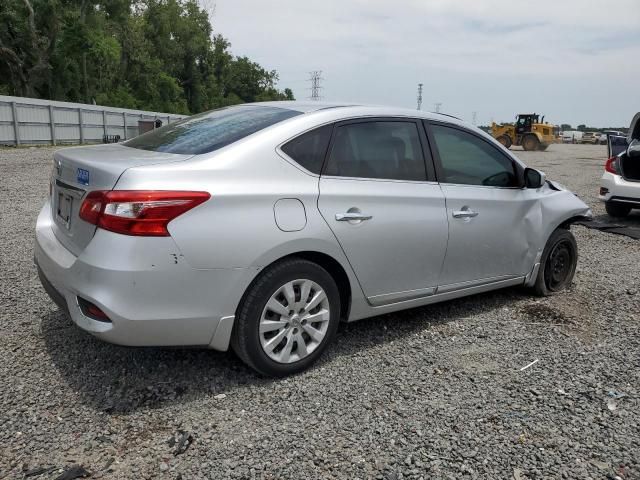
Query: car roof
pixel 353 109
pixel 301 106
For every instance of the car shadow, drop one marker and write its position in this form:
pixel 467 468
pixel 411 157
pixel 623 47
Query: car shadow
pixel 121 380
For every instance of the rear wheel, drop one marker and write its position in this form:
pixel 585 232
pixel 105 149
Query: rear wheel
pixel 505 140
pixel 287 318
pixel 558 263
pixel 530 143
pixel 617 209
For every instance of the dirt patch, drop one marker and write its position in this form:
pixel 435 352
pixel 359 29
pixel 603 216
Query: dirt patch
pixel 541 313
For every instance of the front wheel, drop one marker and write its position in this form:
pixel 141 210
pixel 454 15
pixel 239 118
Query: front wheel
pixel 287 318
pixel 530 143
pixel 505 140
pixel 558 263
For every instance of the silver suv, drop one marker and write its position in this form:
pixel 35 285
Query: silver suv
pixel 262 226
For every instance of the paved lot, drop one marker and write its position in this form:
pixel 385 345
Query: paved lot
pixel 434 392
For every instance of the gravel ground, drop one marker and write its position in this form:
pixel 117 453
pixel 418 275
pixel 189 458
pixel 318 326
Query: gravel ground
pixel 434 392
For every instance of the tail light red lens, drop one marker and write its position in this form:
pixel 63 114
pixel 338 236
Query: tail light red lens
pixel 612 165
pixel 138 212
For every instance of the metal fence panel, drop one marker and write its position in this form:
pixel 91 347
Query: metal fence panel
pixel 5 113
pixel 30 121
pixel 92 117
pixel 67 134
pixel 65 115
pixel 35 133
pixel 6 131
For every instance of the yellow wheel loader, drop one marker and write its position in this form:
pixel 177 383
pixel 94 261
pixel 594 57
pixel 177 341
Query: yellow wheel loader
pixel 528 132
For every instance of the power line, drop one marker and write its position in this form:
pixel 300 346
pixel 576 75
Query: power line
pixel 419 96
pixel 315 78
pixel 436 107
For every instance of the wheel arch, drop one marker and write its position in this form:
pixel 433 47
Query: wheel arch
pixel 326 261
pixel 566 224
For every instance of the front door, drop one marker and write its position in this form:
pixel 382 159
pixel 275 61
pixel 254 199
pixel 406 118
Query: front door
pixel 388 217
pixel 493 225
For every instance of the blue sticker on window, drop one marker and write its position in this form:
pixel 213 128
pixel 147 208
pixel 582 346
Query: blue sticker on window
pixel 83 176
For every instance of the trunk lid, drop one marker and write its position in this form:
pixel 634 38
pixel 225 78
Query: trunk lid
pixel 80 170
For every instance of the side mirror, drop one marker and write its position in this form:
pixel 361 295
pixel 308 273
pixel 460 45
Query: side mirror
pixel 534 178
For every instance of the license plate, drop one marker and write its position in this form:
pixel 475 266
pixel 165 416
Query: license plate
pixel 65 203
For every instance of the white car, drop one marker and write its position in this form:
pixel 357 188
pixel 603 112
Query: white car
pixel 571 136
pixel 620 184
pixel 590 137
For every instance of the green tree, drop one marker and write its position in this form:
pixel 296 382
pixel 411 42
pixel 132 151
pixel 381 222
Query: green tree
pixel 150 54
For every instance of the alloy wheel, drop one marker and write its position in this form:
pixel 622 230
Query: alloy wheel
pixel 294 321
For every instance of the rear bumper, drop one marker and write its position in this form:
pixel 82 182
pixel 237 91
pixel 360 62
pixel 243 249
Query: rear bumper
pixel 54 294
pixel 151 295
pixel 619 190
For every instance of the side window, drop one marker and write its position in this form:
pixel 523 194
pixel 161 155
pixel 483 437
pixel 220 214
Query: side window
pixel 389 150
pixel 310 148
pixel 468 160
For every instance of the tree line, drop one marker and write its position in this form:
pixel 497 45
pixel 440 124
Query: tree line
pixel 159 55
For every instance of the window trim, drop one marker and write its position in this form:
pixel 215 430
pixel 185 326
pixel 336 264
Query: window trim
pixel 430 176
pixel 517 167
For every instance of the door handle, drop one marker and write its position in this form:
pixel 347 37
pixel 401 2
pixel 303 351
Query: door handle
pixel 350 216
pixel 464 213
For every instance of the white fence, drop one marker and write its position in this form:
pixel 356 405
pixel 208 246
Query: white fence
pixel 30 121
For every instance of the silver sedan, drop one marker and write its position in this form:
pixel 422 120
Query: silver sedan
pixel 262 226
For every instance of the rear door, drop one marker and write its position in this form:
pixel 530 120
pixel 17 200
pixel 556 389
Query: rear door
pixel 492 220
pixel 379 197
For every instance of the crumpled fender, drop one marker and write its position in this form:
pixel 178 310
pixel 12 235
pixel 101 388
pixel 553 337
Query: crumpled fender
pixel 556 206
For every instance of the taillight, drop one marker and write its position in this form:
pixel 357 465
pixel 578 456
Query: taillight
pixel 138 212
pixel 612 166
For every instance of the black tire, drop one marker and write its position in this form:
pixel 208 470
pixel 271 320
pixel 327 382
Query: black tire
pixel 505 140
pixel 558 263
pixel 245 338
pixel 617 210
pixel 530 143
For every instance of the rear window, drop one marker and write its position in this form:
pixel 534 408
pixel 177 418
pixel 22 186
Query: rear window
pixel 210 131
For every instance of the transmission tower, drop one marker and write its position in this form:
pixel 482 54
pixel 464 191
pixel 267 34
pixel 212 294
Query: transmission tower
pixel 419 96
pixel 436 107
pixel 474 117
pixel 315 78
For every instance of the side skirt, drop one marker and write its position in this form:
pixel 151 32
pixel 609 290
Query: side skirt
pixel 440 297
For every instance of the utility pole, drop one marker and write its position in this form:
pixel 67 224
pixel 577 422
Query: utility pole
pixel 436 107
pixel 419 96
pixel 474 116
pixel 315 78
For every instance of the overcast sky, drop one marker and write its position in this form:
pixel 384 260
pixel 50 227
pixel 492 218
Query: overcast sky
pixel 576 61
